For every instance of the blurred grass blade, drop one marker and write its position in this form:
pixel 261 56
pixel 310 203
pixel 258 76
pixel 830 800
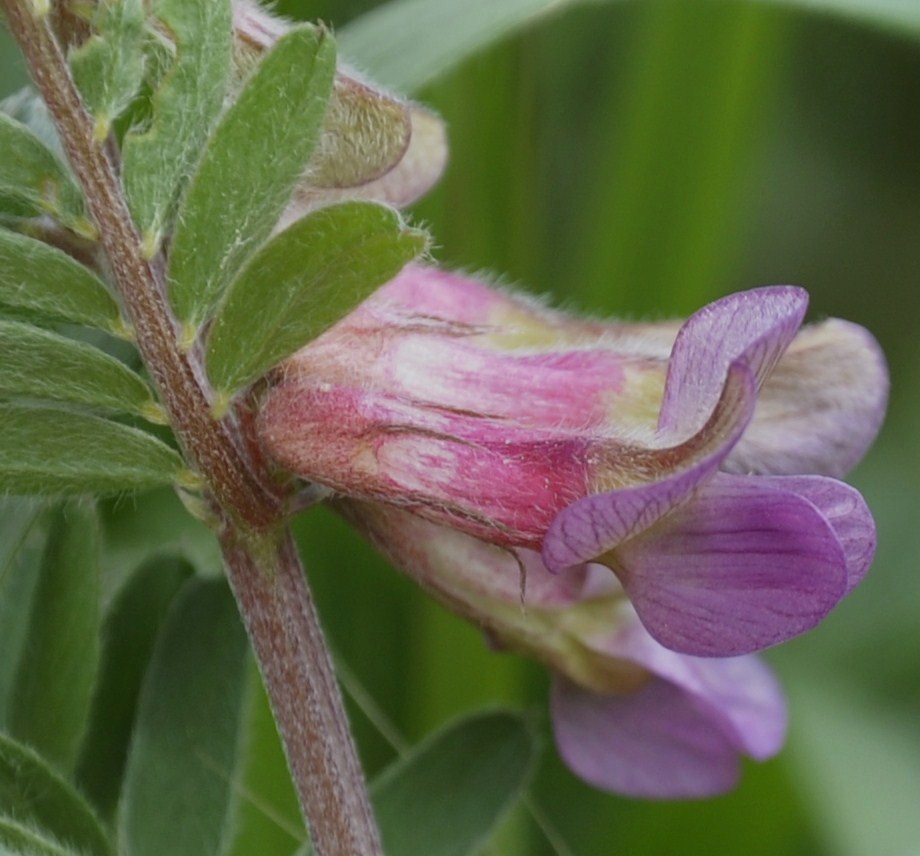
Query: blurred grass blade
pixel 34 181
pixel 445 797
pixel 183 756
pixel 34 795
pixel 54 683
pixel 301 282
pixel 158 156
pixel 39 364
pixel 249 170
pixel 406 44
pixel 46 450
pixel 21 541
pixel 109 66
pixel 665 198
pixel 857 763
pixel 267 818
pixel 901 17
pixel 40 278
pixel 128 634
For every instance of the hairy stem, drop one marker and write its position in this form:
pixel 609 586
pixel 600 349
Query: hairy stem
pixel 263 567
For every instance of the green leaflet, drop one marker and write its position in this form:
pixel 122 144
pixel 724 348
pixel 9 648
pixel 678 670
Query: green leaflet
pixel 159 157
pixel 34 796
pixel 39 364
pixel 302 281
pixel 128 635
pixel 249 170
pixel 455 785
pixel 267 816
pixel 51 696
pixel 37 277
pixel 183 754
pixel 109 67
pixel 17 839
pixel 33 181
pixel 51 450
pixel 21 542
pixel 446 796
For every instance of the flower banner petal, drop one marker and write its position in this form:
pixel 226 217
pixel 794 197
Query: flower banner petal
pixel 743 566
pixel 754 326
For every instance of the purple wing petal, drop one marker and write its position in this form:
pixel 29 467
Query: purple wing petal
pixel 821 407
pixel 745 565
pixel 658 742
pixel 594 525
pixel 846 511
pixel 754 327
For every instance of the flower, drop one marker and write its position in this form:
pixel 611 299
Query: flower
pixel 509 457
pixel 589 443
pixel 629 716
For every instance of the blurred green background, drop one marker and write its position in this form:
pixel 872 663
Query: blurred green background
pixel 637 160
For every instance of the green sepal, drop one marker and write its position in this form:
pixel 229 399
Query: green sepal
pixel 45 450
pixel 249 170
pixel 300 283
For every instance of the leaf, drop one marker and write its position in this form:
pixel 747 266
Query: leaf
pixel 408 44
pixel 857 763
pixel 248 171
pixel 33 794
pixel 17 839
pixel 446 796
pixel 21 543
pixel 301 282
pixel 51 698
pixel 901 17
pixel 38 277
pixel 40 364
pixel 455 786
pixel 128 634
pixel 267 818
pixel 159 156
pixel 109 66
pixel 49 450
pixel 183 756
pixel 33 177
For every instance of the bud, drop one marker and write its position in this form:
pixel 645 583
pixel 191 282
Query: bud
pixel 372 146
pixel 590 443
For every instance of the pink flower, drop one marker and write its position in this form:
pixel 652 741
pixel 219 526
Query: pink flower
pixel 509 457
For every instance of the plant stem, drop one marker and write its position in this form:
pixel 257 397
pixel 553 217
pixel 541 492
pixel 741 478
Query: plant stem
pixel 262 563
pixel 311 721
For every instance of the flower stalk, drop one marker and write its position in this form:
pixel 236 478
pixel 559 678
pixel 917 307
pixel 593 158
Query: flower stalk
pixel 263 567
